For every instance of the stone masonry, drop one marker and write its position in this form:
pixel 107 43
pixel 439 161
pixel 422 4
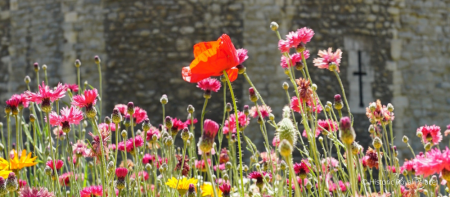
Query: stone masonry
pixel 402 44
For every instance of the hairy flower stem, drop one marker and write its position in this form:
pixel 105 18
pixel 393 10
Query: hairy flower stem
pixel 253 86
pixel 103 156
pixel 241 191
pixel 208 171
pixel 292 179
pixel 52 154
pixel 343 94
pixel 203 115
pixel 352 174
pixel 101 91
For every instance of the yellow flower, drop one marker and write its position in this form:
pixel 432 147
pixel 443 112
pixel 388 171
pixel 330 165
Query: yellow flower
pixel 183 184
pixel 24 161
pixel 4 168
pixel 207 190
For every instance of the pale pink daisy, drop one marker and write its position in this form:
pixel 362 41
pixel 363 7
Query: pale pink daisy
pixel 431 134
pixel 328 57
pixel 242 55
pixel 209 84
pixel 264 109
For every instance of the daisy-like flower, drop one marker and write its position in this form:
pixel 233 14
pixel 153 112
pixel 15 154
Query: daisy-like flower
pixel 328 59
pixel 17 163
pixel 209 85
pixel 259 177
pixel 72 87
pixel 264 109
pixel 103 127
pixel 408 166
pixel 16 103
pixel 371 158
pixel 242 55
pixel 301 36
pixel 35 192
pixel 92 191
pixel 284 46
pixel 148 159
pixel 230 123
pixel 130 143
pixel 431 134
pixel 67 117
pixel 80 149
pixel 59 164
pixel 328 125
pixel 302 168
pixel 294 60
pixel 182 185
pixel 87 100
pixel 201 165
pixel 226 189
pixel 46 96
pixel 314 106
pixel 208 190
pixel 177 126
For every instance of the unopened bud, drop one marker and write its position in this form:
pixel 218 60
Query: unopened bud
pixel 338 104
pixel 241 69
pixel 377 143
pixel 271 117
pixel 44 67
pixel 419 134
pixel 314 87
pixel 246 110
pixel 97 60
pixel 124 133
pixel 190 109
pixel 252 94
pixel 390 107
pixel 285 148
pixel 32 118
pixel 229 107
pixel 371 129
pixel 405 139
pixel 77 63
pixel 36 67
pixel 107 120
pixel 428 146
pixel 285 86
pixel 27 79
pixel 274 26
pixel 164 100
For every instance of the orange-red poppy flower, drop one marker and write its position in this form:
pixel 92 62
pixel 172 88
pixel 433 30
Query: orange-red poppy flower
pixel 211 59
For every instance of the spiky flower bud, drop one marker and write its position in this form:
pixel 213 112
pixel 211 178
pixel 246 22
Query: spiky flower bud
pixel 285 86
pixel 377 143
pixel 11 182
pixel 164 100
pixel 286 129
pixel 3 190
pixel 347 134
pixel 229 107
pixel 252 94
pixel 285 148
pixel 274 26
pixel 36 66
pixel 97 60
pixel 190 109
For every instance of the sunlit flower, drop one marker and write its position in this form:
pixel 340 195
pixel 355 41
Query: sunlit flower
pixel 35 192
pixel 185 162
pixel 92 191
pixel 148 159
pixel 225 188
pixel 46 94
pixel 80 149
pixel 182 185
pixel 152 132
pixel 25 160
pixel 301 36
pixel 230 123
pixel 263 109
pixel 208 190
pixel 72 87
pixel 431 134
pixel 201 165
pixel 139 114
pixel 328 57
pixel 130 143
pixel 302 168
pixel 209 84
pixel 88 99
pixel 314 106
pixel 67 117
pixel 295 59
pixel 328 125
pixel 59 164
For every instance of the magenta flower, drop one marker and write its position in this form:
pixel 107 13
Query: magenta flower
pixel 92 191
pixel 328 125
pixel 201 165
pixel 314 107
pixel 230 123
pixel 226 189
pixel 35 192
pixel 242 55
pixel 103 127
pixel 177 125
pixel 295 59
pixel 122 109
pixel 284 46
pixel 72 87
pixel 264 109
pixel 67 117
pixel 87 100
pixel 434 162
pixel 301 36
pixel 121 172
pixel 210 129
pixel 258 176
pixel 327 58
pixel 209 85
pixel 148 159
pixel 431 134
pixel 46 94
pixel 129 146
pixel 80 149
pixel 59 164
pixel 152 132
pixel 302 168
pixel 139 114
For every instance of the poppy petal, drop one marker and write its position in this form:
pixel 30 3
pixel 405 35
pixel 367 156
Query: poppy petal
pixel 201 47
pixel 233 73
pixel 193 77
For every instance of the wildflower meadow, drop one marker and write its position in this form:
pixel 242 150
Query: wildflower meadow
pixel 67 145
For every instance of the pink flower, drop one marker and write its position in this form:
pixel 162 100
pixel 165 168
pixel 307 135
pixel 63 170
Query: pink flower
pixel 122 109
pixel 328 125
pixel 242 55
pixel 230 123
pixel 59 164
pixel 138 141
pixel 303 35
pixel 72 87
pixel 200 165
pixel 317 133
pixel 431 134
pixel 87 100
pixel 112 147
pixel 67 117
pixel 103 127
pixel 96 150
pixel 35 192
pixel 121 172
pixel 178 125
pixel 18 100
pixel 92 191
pixel 148 159
pixel 295 59
pixel 314 107
pixel 433 163
pixel 276 141
pixel 220 167
pixel 45 93
pixel 302 168
pixel 80 149
pixel 259 176
pixel 22 183
pixel 188 121
pixel 59 133
pixel 210 129
pixel 264 109
pixel 142 174
pixel 408 166
pixel 329 163
pixel 225 188
pixel 139 115
pixel 64 179
pixel 283 46
pixel 209 84
pixel 328 57
pixel 152 132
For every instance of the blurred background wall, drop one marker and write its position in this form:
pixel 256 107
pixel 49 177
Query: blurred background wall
pixel 401 46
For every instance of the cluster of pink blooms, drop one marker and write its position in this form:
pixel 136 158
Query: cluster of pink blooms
pixel 230 123
pixel 130 144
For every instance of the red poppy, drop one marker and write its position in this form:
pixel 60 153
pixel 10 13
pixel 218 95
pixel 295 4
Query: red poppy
pixel 211 59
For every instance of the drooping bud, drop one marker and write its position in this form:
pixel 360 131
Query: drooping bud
pixel 252 94
pixel 338 104
pixel 274 26
pixel 36 66
pixel 347 134
pixel 285 86
pixel 97 60
pixel 164 100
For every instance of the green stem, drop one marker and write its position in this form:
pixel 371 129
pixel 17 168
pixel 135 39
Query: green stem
pixel 135 151
pixel 203 115
pixel 208 170
pixel 17 134
pixel 253 86
pixel 103 156
pixel 343 94
pixel 8 123
pixel 101 91
pixel 52 154
pixel 238 134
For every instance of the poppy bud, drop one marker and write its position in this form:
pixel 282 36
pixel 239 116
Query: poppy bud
pixel 285 86
pixel 116 116
pixel 36 66
pixel 377 143
pixel 44 67
pixel 252 94
pixel 146 126
pixel 347 134
pixel 285 148
pixel 164 100
pixel 77 63
pixel 241 69
pixel 229 107
pixel 338 104
pixel 190 109
pixel 274 26
pixel 97 60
